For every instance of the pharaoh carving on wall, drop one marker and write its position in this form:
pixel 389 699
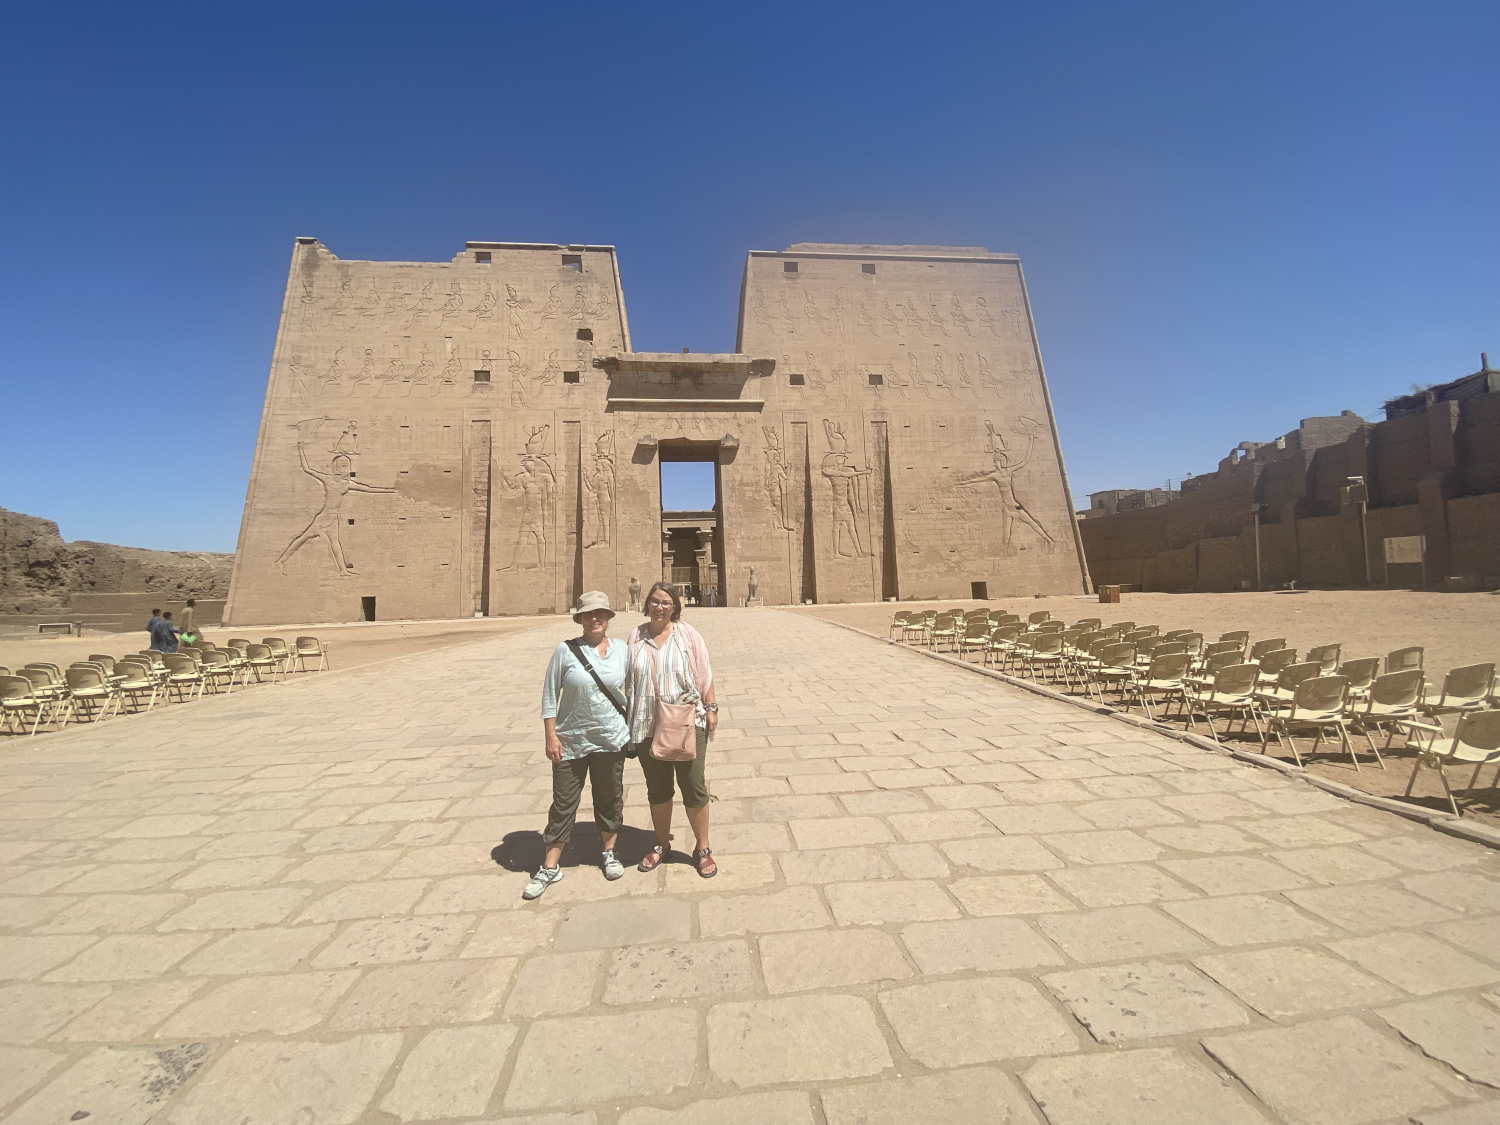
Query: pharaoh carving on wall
pixel 422 307
pixel 1003 476
pixel 551 309
pixel 889 318
pixel 452 306
pixel 518 372
pixel 485 310
pixel 366 376
pixel 964 382
pixel 600 485
pixel 338 482
pixel 550 372
pixel 914 373
pixel 301 380
pixel 536 485
pixel 838 315
pixel 935 316
pixel 788 318
pixel 986 318
pixel 516 304
pixel 338 308
pixel 579 311
pixel 763 314
pixel 848 496
pixel 914 318
pixel 367 310
pixel 333 378
pixel 777 477
pixel 958 316
pixel 866 320
pixel 816 315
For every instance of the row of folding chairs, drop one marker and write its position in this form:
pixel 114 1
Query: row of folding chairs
pixel 101 686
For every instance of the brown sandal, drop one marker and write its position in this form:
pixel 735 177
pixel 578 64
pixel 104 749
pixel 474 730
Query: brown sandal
pixel 654 858
pixel 705 858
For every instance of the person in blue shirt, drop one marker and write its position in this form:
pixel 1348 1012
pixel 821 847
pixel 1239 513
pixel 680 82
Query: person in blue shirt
pixel 585 733
pixel 163 633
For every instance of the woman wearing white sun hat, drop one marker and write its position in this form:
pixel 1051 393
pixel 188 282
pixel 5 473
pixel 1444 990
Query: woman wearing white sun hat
pixel 583 722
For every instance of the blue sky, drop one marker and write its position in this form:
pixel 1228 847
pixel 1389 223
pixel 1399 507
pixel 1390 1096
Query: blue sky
pixel 1231 216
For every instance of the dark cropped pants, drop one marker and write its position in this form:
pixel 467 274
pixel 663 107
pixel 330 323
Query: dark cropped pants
pixel 688 775
pixel 606 773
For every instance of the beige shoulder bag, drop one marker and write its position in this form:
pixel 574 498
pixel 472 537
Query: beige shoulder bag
pixel 676 735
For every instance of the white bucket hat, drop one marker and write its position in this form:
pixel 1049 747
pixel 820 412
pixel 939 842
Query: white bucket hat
pixel 591 600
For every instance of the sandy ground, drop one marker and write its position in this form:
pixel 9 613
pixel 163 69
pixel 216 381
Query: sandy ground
pixel 1455 630
pixel 352 645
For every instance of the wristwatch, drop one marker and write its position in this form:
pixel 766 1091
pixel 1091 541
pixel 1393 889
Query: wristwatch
pixel 711 708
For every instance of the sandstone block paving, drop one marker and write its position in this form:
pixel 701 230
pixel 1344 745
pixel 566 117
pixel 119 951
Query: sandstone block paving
pixel 941 899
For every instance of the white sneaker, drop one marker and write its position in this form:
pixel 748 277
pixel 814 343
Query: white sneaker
pixel 613 868
pixel 544 878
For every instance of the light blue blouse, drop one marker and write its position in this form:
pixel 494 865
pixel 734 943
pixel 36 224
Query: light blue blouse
pixel 587 723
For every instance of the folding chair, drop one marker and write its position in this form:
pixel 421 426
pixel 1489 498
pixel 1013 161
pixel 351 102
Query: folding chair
pixel 261 659
pixel 1164 676
pixel 51 688
pixel 217 670
pixel 1231 689
pixel 136 680
pixel 1001 643
pixel 899 622
pixel 1403 658
pixel 1116 666
pixel 280 651
pixel 1035 619
pixel 1393 702
pixel 1361 674
pixel 1464 689
pixel 1088 624
pixel 1317 704
pixel 90 684
pixel 976 632
pixel 1327 656
pixel 183 674
pixel 1240 637
pixel 1271 644
pixel 1476 740
pixel 1273 662
pixel 1044 650
pixel 17 697
pixel 1123 626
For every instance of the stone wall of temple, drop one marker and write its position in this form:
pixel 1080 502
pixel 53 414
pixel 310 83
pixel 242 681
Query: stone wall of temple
pixel 476 436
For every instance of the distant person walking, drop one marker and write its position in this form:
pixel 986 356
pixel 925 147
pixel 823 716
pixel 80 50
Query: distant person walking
pixel 188 626
pixel 151 628
pixel 583 725
pixel 669 665
pixel 163 633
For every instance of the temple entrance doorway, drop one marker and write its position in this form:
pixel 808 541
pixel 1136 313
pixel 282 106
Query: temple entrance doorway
pixel 692 520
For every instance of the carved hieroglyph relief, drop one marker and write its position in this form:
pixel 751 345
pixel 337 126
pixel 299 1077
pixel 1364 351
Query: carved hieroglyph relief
pixel 1005 465
pixel 847 484
pixel 338 482
pixel 516 304
pixel 536 486
pixel 599 491
pixel 777 479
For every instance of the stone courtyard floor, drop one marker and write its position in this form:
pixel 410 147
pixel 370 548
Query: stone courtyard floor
pixel 942 898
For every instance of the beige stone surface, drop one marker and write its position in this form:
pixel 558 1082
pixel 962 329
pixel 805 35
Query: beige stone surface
pixel 1148 1087
pixel 784 1107
pixel 1148 1000
pixel 978 1093
pixel 798 962
pixel 1464 1033
pixel 955 1023
pixel 451 1072
pixel 893 979
pixel 426 423
pixel 270 1083
pixel 795 1039
pixel 1339 1070
pixel 1294 981
pixel 124 1085
pixel 586 1059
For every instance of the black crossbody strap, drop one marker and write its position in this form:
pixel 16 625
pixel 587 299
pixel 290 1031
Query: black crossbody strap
pixel 577 647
